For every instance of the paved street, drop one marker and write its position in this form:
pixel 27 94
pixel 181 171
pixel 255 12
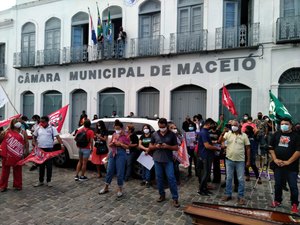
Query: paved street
pixel 70 202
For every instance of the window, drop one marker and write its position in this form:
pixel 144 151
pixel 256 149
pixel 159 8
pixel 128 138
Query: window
pixel 28 104
pixel 2 60
pixel 28 45
pixel 290 8
pixel 52 101
pixel 52 41
pixel 80 34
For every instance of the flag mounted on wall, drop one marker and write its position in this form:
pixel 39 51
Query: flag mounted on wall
pixel 277 110
pixel 93 33
pixel 227 101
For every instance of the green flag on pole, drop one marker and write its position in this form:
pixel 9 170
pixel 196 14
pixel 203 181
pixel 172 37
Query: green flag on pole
pixel 277 110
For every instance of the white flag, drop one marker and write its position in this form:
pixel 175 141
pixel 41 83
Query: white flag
pixel 3 97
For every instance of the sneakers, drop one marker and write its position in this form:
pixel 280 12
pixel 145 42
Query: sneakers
pixel 49 184
pixel 38 184
pixel 275 204
pixel 175 203
pixel 294 208
pixel 161 198
pixel 83 178
pixel 119 194
pixel 76 178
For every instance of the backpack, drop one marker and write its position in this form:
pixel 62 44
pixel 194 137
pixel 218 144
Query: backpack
pixel 82 139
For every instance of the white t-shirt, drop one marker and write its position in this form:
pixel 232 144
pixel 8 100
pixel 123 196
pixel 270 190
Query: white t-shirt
pixel 45 136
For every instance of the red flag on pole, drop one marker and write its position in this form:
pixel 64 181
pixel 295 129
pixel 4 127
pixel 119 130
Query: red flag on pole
pixel 57 118
pixel 227 101
pixel 7 121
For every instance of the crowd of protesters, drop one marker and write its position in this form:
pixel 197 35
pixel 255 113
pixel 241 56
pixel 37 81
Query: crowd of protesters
pixel 209 144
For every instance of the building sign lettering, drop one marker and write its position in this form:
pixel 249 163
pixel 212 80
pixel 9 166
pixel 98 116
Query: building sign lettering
pixel 222 66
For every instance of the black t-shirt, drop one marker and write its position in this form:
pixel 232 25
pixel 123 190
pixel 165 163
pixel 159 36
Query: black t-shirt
pixel 134 140
pixel 285 145
pixel 163 155
pixel 145 140
pixel 103 133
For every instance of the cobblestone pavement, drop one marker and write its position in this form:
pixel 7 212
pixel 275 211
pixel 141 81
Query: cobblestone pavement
pixel 70 202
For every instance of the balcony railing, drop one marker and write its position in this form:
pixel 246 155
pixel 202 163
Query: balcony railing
pixel 288 29
pixel 2 70
pixel 236 37
pixel 48 57
pixel 24 59
pixel 149 46
pixel 188 42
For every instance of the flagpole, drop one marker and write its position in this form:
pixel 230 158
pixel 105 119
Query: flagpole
pixel 9 99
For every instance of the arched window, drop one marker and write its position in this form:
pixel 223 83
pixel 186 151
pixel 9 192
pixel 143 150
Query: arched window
pixel 289 92
pixel 52 101
pixel 111 99
pixel 52 41
pixel 28 104
pixel 241 97
pixel 28 44
pixel 148 102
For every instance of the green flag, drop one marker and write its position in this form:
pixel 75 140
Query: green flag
pixel 277 110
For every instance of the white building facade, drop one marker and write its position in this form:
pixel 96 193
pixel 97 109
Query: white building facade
pixel 177 56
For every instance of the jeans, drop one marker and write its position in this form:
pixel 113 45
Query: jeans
pixel 239 166
pixel 204 167
pixel 130 161
pixel 168 168
pixel 116 162
pixel 146 176
pixel 282 175
pixel 48 164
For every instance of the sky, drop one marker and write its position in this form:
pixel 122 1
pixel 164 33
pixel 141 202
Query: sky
pixel 5 4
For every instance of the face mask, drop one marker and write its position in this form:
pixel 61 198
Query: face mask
pixel 118 131
pixel 43 124
pixel 146 131
pixel 245 117
pixel 284 127
pixel 174 131
pixel 191 128
pixel 17 125
pixel 163 129
pixel 267 119
pixel 234 128
pixel 99 128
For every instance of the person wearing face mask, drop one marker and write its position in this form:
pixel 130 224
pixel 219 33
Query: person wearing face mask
pixel 144 143
pixel 237 142
pixel 43 138
pixel 116 158
pixel 206 152
pixel 190 138
pixel 285 152
pixel 100 139
pixel 132 152
pixel 163 142
pixel 14 147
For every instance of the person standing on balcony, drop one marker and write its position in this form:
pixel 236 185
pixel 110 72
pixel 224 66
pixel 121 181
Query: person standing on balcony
pixel 121 42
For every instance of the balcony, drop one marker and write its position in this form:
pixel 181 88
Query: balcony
pixel 2 70
pixel 237 37
pixel 288 29
pixel 24 59
pixel 48 57
pixel 188 42
pixel 149 46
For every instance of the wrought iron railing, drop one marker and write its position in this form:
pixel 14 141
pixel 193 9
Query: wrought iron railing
pixel 288 29
pixel 24 59
pixel 188 42
pixel 239 36
pixel 48 57
pixel 2 70
pixel 149 46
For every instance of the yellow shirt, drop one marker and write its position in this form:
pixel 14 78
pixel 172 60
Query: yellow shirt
pixel 236 143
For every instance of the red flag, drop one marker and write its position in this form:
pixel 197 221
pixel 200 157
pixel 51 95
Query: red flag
pixel 39 156
pixel 7 121
pixel 182 155
pixel 57 118
pixel 227 102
